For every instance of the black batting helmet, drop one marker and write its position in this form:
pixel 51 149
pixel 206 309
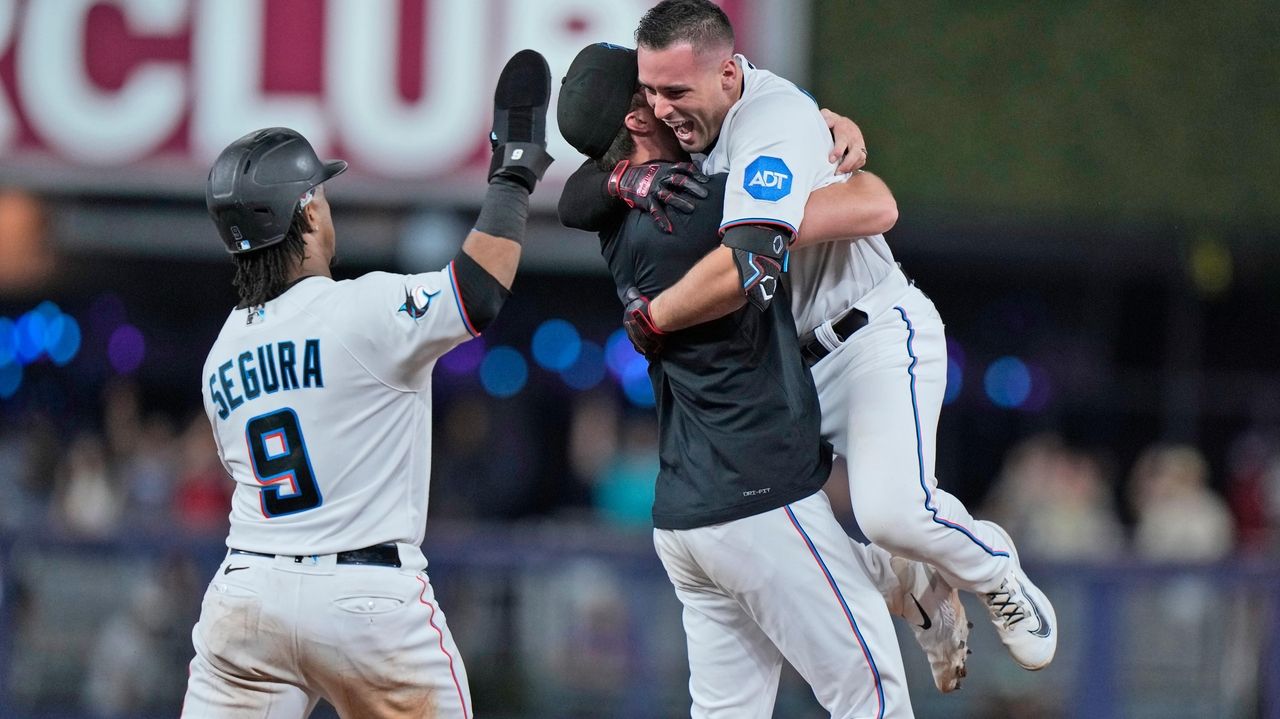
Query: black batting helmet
pixel 256 183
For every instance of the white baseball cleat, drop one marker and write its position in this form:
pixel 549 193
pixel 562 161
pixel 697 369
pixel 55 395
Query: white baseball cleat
pixel 937 618
pixel 1023 615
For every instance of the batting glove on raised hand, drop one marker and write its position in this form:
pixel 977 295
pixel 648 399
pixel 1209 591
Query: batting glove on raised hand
pixel 641 330
pixel 519 134
pixel 655 186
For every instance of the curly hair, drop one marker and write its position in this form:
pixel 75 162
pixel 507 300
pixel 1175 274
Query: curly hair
pixel 263 274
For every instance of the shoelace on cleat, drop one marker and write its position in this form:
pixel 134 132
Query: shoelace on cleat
pixel 1003 605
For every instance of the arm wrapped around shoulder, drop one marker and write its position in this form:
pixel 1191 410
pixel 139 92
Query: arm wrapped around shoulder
pixel 480 293
pixel 760 253
pixel 585 204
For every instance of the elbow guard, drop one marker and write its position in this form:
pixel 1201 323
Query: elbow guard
pixel 760 254
pixel 480 294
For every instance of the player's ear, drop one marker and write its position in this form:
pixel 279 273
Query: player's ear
pixel 636 122
pixel 729 73
pixel 311 217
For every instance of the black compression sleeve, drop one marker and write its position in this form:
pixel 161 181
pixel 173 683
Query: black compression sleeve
pixel 760 239
pixel 480 293
pixel 584 204
pixel 505 211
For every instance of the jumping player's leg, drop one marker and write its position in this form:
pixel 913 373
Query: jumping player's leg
pixel 918 594
pixel 733 667
pixel 892 375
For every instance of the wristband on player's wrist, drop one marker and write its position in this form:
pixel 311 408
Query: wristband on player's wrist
pixel 615 179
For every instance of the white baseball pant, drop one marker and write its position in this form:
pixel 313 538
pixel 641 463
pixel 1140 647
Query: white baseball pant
pixel 785 583
pixel 881 392
pixel 277 635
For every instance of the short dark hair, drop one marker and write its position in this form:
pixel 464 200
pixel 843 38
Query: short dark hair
pixel 264 274
pixel 623 144
pixel 697 22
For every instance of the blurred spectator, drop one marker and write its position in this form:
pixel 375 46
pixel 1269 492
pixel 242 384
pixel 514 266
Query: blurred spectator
pixel 28 458
pixel 1057 501
pixel 1179 517
pixel 481 467
pixel 128 665
pixel 202 497
pixel 148 473
pixel 88 501
pixel 623 492
pixel 1253 464
pixel 593 434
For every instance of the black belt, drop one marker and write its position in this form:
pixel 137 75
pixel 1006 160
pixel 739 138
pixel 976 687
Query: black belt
pixel 812 349
pixel 380 555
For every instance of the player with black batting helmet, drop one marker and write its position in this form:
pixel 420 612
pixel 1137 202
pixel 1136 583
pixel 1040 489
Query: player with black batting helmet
pixel 319 393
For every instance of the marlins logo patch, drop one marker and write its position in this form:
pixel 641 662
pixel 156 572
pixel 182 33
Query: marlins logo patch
pixel 417 301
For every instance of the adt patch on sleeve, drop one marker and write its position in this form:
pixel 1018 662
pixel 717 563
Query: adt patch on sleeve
pixel 767 178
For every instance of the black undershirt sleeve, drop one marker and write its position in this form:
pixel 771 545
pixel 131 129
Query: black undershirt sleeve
pixel 584 204
pixel 481 294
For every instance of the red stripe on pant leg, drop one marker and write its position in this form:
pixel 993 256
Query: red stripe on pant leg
pixel 432 621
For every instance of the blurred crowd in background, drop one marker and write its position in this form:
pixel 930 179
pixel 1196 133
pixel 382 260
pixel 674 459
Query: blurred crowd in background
pixel 134 471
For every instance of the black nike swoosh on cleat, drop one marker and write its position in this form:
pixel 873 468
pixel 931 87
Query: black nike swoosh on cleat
pixel 229 570
pixel 927 621
pixel 1042 627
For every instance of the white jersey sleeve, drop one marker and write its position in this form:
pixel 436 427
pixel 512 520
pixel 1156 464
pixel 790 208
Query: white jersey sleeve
pixel 397 325
pixel 776 152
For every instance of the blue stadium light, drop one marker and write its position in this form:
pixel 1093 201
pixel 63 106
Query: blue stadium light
pixel 556 345
pixel 588 370
pixel 503 372
pixel 8 340
pixel 1008 382
pixel 619 353
pixel 63 339
pixel 636 385
pixel 955 381
pixel 10 379
pixel 29 337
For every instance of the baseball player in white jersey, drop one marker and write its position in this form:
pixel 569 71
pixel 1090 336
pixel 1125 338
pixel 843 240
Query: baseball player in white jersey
pixel 319 393
pixel 875 342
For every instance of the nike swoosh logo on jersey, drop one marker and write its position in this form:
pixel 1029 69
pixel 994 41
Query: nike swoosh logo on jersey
pixel 1042 627
pixel 229 569
pixel 927 621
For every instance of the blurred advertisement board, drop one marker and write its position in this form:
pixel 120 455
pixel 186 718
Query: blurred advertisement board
pixel 138 96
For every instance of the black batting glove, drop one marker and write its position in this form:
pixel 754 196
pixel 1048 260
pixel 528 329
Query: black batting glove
pixel 641 330
pixel 519 133
pixel 656 186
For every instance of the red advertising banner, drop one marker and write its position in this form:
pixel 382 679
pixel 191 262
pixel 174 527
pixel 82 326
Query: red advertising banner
pixel 138 94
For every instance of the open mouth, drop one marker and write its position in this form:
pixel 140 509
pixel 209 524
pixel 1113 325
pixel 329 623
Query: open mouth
pixel 684 131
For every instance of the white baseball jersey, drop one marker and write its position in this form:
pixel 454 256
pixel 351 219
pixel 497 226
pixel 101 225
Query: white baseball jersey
pixel 774 145
pixel 320 402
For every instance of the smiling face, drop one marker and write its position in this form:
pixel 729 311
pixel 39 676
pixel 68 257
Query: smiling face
pixel 690 90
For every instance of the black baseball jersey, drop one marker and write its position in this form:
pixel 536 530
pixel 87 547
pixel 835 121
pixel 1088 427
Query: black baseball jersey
pixel 737 410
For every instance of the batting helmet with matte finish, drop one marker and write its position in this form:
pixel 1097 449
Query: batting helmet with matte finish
pixel 256 183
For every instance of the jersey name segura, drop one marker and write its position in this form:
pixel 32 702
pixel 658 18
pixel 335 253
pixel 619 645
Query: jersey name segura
pixel 273 368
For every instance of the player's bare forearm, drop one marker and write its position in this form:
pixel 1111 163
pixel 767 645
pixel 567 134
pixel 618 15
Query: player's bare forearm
pixel 859 207
pixel 709 290
pixel 497 255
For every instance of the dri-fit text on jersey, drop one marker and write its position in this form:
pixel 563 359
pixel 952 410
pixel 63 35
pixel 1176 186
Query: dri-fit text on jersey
pixel 269 370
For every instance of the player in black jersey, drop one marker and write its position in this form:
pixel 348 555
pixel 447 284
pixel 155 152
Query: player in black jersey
pixel 747 537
